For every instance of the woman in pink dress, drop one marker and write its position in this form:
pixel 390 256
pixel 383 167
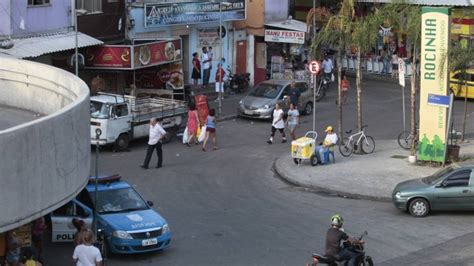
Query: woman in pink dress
pixel 193 124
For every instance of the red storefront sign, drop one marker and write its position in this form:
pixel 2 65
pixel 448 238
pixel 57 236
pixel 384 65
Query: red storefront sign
pixel 133 57
pixel 109 57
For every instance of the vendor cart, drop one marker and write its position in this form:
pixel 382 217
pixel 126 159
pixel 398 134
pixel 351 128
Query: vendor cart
pixel 303 148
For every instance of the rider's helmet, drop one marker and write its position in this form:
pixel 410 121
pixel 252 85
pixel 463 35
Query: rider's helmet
pixel 337 220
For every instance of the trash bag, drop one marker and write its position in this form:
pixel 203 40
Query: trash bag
pixel 202 136
pixel 185 136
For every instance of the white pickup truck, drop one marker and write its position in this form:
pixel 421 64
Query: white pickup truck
pixel 122 118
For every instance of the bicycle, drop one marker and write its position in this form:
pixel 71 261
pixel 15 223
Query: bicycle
pixel 406 139
pixel 346 147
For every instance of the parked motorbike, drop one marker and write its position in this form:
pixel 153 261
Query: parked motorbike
pixel 322 88
pixel 238 83
pixel 357 246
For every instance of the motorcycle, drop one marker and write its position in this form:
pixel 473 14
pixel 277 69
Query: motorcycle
pixel 238 83
pixel 357 246
pixel 322 88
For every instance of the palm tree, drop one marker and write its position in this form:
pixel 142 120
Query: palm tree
pixel 407 18
pixel 364 37
pixel 337 33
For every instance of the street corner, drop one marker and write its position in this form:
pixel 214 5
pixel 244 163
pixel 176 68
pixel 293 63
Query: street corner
pixel 332 178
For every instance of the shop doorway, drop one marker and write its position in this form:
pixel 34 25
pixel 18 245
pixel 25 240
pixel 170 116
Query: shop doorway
pixel 186 57
pixel 241 54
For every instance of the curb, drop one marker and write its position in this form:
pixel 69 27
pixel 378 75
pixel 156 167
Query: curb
pixel 375 77
pixel 341 194
pixel 227 117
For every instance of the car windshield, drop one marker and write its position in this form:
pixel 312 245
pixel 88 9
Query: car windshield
pixel 99 110
pixel 119 200
pixel 266 90
pixel 439 174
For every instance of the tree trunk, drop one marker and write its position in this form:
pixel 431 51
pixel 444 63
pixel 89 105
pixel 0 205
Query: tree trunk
pixel 339 95
pixel 465 111
pixel 413 99
pixel 359 91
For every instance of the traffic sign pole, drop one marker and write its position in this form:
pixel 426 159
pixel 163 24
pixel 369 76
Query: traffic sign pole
pixel 314 68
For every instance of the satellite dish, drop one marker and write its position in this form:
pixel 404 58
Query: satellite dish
pixel 224 31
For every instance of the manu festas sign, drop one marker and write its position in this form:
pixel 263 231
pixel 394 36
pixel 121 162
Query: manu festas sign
pixel 433 80
pixel 193 12
pixel 284 36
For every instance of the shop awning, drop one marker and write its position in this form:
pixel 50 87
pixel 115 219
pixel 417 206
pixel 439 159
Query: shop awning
pixel 428 2
pixel 289 24
pixel 46 44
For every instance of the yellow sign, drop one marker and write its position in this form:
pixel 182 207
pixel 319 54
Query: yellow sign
pixel 433 80
pixel 462 21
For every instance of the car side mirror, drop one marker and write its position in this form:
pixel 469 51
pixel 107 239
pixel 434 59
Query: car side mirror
pixel 150 203
pixel 442 185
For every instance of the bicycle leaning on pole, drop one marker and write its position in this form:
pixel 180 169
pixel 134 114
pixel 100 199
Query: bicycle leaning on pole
pixel 359 139
pixel 406 138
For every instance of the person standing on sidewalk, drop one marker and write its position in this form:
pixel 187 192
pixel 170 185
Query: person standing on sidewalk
pixel 211 129
pixel 278 123
pixel 14 244
pixel 196 74
pixel 293 120
pixel 206 66
pixel 294 94
pixel 37 231
pixel 154 142
pixel 86 253
pixel 394 61
pixel 220 73
pixel 344 87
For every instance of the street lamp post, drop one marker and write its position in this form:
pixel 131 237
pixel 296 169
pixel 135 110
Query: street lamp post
pixel 219 95
pixel 315 83
pixel 98 132
pixel 76 52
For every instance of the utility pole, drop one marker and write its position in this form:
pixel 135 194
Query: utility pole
pixel 219 95
pixel 315 83
pixel 76 52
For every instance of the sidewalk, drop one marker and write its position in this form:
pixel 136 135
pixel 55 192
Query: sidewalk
pixel 370 176
pixel 229 104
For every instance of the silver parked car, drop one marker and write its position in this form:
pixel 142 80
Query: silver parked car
pixel 260 102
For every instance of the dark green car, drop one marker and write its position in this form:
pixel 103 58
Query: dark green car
pixel 451 188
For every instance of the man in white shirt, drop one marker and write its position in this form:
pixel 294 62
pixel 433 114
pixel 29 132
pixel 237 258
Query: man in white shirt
pixel 206 66
pixel 86 254
pixel 328 66
pixel 329 142
pixel 278 123
pixel 154 142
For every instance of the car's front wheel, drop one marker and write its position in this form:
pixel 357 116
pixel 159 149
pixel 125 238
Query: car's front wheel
pixel 419 207
pixel 308 108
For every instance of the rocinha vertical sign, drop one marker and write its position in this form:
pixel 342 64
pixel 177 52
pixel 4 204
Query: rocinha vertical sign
pixel 433 80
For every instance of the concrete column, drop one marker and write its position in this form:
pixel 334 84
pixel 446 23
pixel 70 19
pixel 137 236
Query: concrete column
pixel 251 57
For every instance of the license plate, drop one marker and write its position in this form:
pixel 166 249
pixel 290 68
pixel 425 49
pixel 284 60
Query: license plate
pixel 149 242
pixel 248 112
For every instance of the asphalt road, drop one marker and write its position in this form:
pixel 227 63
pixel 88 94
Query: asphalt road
pixel 227 207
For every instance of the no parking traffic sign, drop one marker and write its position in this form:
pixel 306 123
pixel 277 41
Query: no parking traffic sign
pixel 314 67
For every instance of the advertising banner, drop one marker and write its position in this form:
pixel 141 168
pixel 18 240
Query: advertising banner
pixel 192 12
pixel 433 80
pixel 156 53
pixel 109 57
pixel 284 36
pixel 125 57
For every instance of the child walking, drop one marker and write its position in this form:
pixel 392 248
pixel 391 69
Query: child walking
pixel 210 130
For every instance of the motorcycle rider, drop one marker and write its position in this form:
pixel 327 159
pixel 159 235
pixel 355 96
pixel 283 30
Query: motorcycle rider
pixel 334 238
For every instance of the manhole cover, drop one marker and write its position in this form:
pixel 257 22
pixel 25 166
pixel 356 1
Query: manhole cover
pixel 399 156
